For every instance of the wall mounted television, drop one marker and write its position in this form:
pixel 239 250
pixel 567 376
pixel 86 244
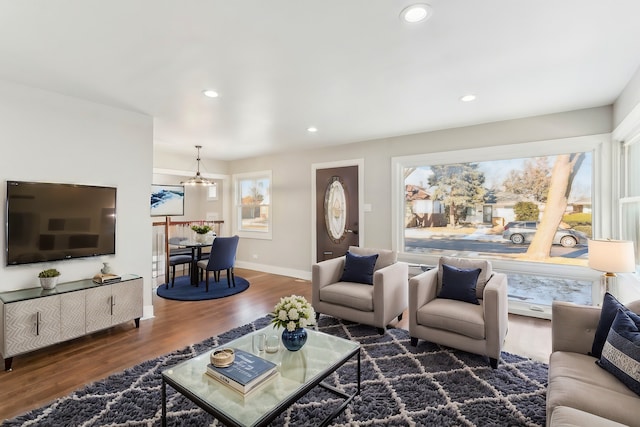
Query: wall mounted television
pixel 50 222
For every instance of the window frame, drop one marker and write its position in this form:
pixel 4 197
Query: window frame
pixel 215 197
pixel 626 197
pixel 237 205
pixel 602 179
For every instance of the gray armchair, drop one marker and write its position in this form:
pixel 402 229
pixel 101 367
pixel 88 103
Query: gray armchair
pixel 479 329
pixel 375 305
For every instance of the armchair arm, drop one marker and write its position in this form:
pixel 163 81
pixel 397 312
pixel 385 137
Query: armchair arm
pixel 422 289
pixel 325 273
pixel 390 291
pixel 496 313
pixel 573 326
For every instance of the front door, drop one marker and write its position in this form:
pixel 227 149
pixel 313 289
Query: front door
pixel 337 212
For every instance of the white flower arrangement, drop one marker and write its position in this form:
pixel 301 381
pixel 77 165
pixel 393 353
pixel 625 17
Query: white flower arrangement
pixel 293 312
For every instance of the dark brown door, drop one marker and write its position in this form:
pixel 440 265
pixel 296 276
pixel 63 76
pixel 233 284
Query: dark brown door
pixel 337 212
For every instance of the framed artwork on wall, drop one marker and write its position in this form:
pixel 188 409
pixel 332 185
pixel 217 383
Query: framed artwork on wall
pixel 167 200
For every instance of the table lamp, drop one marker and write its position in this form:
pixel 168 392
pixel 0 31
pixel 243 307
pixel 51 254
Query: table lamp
pixel 611 257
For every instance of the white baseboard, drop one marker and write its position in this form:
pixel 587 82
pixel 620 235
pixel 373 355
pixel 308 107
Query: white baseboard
pixel 299 274
pixel 147 312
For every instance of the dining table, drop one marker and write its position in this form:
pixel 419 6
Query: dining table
pixel 196 253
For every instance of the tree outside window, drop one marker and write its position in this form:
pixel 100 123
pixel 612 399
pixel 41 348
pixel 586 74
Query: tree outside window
pixel 467 207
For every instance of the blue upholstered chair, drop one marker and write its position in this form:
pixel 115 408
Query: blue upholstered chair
pixel 222 257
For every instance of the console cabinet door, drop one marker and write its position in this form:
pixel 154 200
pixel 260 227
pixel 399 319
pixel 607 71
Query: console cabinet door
pixel 72 315
pixel 127 301
pixel 31 324
pixel 98 303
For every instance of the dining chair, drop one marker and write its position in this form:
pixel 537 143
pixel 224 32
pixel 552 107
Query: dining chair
pixel 179 259
pixel 222 257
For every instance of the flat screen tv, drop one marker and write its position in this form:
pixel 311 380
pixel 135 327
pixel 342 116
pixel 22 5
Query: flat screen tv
pixel 50 222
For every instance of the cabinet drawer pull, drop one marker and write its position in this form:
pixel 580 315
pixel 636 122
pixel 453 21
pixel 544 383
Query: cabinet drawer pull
pixel 38 323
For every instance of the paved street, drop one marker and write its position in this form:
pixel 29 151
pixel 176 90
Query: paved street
pixel 416 240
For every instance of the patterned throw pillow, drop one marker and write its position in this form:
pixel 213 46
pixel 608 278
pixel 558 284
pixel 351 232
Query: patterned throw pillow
pixel 359 268
pixel 610 307
pixel 459 284
pixel 621 351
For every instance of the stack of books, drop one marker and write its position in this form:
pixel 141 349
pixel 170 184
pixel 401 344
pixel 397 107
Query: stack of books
pixel 106 278
pixel 247 372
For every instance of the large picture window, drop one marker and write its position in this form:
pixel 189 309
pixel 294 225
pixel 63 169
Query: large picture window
pixel 532 209
pixel 529 208
pixel 253 204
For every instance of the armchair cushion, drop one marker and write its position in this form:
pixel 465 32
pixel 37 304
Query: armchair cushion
pixel 468 264
pixel 454 316
pixel 459 284
pixel 386 257
pixel 357 296
pixel 359 268
pixel 621 352
pixel 610 307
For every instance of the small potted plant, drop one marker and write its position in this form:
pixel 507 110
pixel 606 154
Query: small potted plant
pixel 49 278
pixel 201 231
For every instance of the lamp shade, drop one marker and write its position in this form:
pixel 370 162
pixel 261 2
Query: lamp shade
pixel 612 256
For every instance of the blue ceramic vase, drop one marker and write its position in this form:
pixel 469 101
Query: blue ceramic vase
pixel 294 340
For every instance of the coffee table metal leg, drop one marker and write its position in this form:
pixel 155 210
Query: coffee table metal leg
pixel 358 392
pixel 164 403
pixel 348 397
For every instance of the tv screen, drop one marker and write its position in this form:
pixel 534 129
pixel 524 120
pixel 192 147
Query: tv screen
pixel 50 222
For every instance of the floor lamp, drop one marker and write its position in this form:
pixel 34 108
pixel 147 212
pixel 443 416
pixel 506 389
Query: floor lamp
pixel 611 257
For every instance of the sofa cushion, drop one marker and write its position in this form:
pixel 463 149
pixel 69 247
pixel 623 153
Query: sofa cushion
pixel 563 416
pixel 610 306
pixel 621 352
pixel 454 316
pixel 459 284
pixel 359 268
pixel 354 295
pixel 468 264
pixel 386 257
pixel 577 382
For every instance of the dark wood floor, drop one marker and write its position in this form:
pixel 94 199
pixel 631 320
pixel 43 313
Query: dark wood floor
pixel 42 376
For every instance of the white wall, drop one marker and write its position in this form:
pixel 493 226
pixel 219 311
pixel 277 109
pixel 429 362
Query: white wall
pixel 53 138
pixel 289 252
pixel 628 99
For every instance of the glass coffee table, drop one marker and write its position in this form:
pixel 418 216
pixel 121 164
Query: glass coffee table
pixel 299 372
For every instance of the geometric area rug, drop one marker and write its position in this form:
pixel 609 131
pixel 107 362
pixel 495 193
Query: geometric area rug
pixel 427 385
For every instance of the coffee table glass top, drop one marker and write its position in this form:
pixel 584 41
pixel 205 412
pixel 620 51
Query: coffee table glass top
pixel 320 354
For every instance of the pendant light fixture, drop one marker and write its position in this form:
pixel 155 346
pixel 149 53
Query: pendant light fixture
pixel 198 179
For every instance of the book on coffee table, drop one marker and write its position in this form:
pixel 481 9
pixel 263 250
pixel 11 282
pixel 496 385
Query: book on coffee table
pixel 245 373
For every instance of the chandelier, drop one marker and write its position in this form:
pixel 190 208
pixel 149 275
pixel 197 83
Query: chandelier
pixel 198 179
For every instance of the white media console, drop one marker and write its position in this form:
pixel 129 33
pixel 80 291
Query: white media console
pixel 35 318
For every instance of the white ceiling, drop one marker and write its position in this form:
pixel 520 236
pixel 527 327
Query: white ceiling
pixel 349 67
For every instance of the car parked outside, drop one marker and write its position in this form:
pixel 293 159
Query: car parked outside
pixel 520 232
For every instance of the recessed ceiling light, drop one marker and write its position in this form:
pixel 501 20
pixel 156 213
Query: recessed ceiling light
pixel 312 129
pixel 416 13
pixel 210 93
pixel 468 98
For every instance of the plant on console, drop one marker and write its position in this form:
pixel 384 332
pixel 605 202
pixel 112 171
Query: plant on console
pixel 51 272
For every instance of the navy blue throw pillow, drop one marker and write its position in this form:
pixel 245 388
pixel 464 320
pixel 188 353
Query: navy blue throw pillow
pixel 621 351
pixel 610 307
pixel 459 284
pixel 359 268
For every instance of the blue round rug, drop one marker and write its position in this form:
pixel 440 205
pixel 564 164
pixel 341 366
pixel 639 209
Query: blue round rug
pixel 183 291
